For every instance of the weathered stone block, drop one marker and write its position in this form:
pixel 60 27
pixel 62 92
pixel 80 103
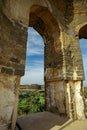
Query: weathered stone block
pixel 7 70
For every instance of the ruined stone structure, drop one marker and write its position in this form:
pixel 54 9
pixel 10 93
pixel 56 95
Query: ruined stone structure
pixel 61 23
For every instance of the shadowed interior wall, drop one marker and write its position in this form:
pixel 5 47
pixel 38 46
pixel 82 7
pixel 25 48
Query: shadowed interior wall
pixel 13 39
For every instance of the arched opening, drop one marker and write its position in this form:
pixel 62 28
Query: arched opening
pixel 83 46
pixel 31 98
pixel 45 24
pixel 34 69
pixel 43 21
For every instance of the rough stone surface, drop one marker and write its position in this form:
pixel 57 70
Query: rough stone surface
pixel 55 98
pixel 7 100
pixel 74 98
pixel 61 25
pixel 41 121
pixel 46 121
pixel 13 46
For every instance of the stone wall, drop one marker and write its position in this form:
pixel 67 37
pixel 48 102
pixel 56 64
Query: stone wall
pixel 8 100
pixel 74 100
pixel 55 97
pixel 13 38
pixel 59 23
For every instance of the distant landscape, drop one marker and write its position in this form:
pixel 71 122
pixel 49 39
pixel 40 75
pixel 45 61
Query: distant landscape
pixel 31 87
pixel 32 99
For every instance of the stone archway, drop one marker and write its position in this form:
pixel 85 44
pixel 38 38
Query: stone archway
pixel 63 80
pixel 14 58
pixel 83 37
pixel 83 32
pixel 43 21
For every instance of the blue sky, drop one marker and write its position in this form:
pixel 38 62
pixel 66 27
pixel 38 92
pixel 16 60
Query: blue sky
pixel 34 70
pixel 83 47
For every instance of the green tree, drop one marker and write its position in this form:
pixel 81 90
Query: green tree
pixel 31 102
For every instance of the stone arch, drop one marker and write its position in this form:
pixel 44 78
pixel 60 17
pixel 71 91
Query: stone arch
pixel 79 26
pixel 74 74
pixel 83 31
pixel 62 54
pixel 44 22
pixel 83 35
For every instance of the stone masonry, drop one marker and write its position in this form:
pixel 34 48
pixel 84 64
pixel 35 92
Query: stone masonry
pixel 61 24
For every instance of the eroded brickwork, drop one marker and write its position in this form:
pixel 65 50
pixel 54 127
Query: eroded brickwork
pixel 61 24
pixel 13 37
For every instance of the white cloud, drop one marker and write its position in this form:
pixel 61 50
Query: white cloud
pixel 34 71
pixel 34 76
pixel 35 44
pixel 35 64
pixel 35 51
